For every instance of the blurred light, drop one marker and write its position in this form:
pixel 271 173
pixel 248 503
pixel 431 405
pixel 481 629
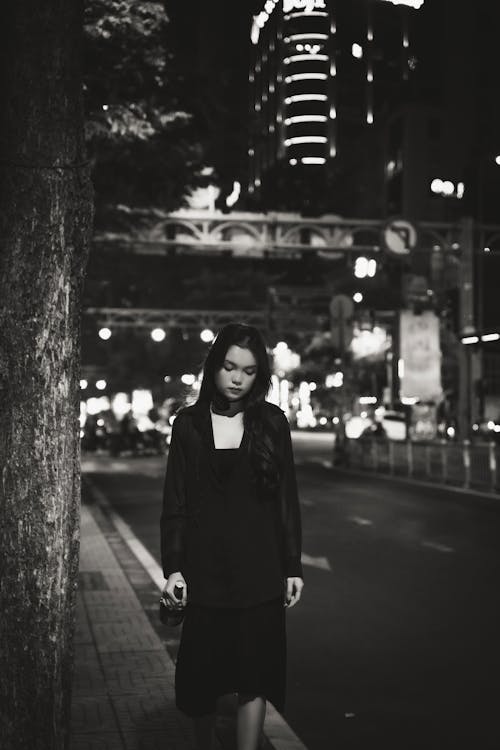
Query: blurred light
pixel 167 379
pixel 357 297
pixel 105 107
pixel 437 185
pixel 232 199
pixel 335 420
pixel 305 98
pixel 312 386
pixel 83 384
pixel 475 426
pixel 487 249
pixel 401 368
pixel 470 340
pixel 105 334
pixel 188 379
pixel 334 380
pixel 364 267
pixel 323 420
pixel 293 162
pixel 306 77
pixel 357 50
pixel 158 334
pixel 207 335
pixel 313 160
pixel 333 112
pixel 497 159
pixel 367 399
pixel 369 117
pixel 460 190
pixel 120 405
pixel 305 118
pixel 310 56
pixel 448 187
pixel 101 385
pixel 363 414
pixel 100 422
pixel 416 4
pixel 142 402
pixel 369 76
pixel 409 400
pixel 294 37
pixel 491 425
pixel 305 139
pixel 497 428
pixel 82 433
pixel 96 405
pixel 450 432
pixel 281 346
pixel 490 337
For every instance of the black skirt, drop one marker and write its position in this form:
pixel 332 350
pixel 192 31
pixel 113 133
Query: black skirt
pixel 231 650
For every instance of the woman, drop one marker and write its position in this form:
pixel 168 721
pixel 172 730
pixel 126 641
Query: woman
pixel 231 537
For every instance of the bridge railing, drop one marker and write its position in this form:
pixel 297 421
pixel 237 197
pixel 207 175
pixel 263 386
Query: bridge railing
pixel 465 464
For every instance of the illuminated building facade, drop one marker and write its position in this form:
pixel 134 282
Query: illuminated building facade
pixel 322 72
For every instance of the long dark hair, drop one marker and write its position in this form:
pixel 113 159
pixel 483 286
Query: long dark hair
pixel 262 443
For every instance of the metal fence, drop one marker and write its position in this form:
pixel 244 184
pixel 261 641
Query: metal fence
pixel 468 465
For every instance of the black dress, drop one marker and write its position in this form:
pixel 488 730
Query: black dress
pixel 229 648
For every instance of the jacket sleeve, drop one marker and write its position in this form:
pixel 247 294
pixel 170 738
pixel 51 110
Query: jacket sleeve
pixel 290 508
pixel 173 516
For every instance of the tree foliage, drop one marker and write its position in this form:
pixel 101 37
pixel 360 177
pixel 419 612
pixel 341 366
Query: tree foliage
pixel 142 142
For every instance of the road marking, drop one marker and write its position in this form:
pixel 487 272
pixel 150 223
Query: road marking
pixel 316 562
pixel 360 521
pixel 138 549
pixel 436 546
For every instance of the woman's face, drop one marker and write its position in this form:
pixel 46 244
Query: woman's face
pixel 237 374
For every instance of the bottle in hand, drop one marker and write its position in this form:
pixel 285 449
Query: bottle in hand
pixel 168 616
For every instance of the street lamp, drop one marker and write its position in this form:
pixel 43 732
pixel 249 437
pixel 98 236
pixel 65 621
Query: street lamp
pixel 105 334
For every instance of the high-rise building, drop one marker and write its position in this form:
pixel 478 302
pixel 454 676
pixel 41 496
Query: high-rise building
pixel 322 73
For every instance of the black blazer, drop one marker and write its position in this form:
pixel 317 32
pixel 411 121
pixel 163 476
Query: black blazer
pixel 186 490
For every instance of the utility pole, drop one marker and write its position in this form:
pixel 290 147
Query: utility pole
pixel 341 312
pixel 470 360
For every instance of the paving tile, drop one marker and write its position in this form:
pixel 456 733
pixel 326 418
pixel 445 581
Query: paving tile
pixel 147 740
pixel 105 741
pixel 115 637
pixel 92 714
pixel 118 601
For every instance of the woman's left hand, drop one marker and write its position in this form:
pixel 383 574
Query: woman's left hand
pixel 294 588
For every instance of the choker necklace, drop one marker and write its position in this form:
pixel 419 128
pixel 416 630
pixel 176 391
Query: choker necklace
pixel 222 406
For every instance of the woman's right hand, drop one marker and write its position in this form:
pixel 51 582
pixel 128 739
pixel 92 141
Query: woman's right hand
pixel 175 579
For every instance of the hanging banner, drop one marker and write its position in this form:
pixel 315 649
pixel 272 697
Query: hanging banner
pixel 420 357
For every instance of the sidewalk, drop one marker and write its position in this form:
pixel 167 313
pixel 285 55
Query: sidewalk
pixel 123 690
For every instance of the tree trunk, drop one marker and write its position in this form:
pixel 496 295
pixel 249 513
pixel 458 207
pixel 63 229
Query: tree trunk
pixel 45 217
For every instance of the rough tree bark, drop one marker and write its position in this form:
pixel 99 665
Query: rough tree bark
pixel 45 216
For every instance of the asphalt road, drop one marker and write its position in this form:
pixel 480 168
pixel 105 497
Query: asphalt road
pixel 396 642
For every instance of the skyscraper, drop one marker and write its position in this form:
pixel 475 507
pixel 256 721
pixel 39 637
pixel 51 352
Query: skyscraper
pixel 322 73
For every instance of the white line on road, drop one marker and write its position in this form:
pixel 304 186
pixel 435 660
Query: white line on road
pixel 316 562
pixel 436 546
pixel 138 549
pixel 360 521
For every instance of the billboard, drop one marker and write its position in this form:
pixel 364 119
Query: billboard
pixel 420 357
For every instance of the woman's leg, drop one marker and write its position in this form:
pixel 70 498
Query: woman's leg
pixel 204 731
pixel 250 721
